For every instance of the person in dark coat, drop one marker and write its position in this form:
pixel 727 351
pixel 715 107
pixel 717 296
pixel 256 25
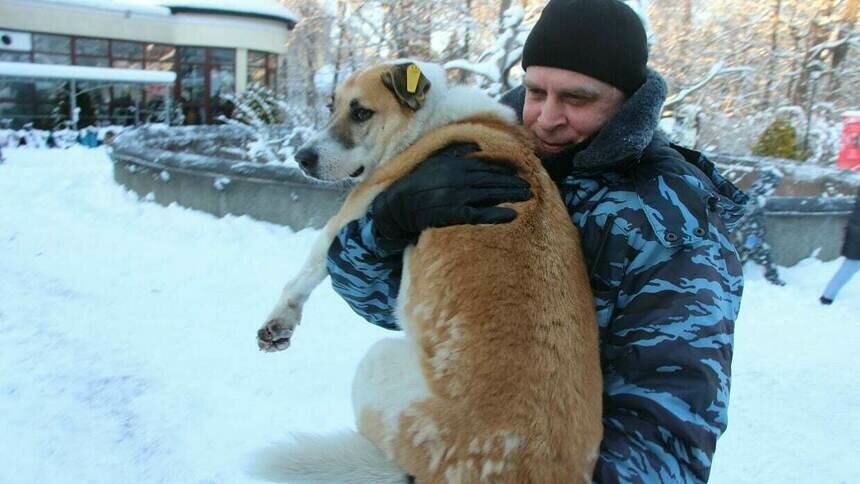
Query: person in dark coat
pixel 655 221
pixel 851 252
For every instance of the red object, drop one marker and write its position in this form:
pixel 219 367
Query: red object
pixel 849 147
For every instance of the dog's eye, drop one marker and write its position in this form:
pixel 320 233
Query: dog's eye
pixel 360 114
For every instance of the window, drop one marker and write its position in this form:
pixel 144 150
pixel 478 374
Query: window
pixel 40 58
pixel 46 102
pixel 262 68
pixel 92 47
pixel 192 55
pixel 127 50
pixel 9 56
pixel 47 91
pixel 50 103
pixel 192 73
pixel 223 56
pixel 158 57
pixel 206 75
pixel 52 49
pixel 127 64
pixel 59 44
pixel 17 100
pixel 12 110
pixel 124 102
pixel 16 92
pixel 92 61
pixel 191 77
pixel 92 52
pixel 126 55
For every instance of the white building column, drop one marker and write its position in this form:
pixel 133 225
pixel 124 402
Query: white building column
pixel 241 70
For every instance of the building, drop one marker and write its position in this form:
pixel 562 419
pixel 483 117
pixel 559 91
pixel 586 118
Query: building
pixel 214 47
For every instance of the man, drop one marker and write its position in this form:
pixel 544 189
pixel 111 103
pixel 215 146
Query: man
pixel 654 219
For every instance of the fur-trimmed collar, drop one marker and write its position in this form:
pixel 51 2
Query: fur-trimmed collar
pixel 624 138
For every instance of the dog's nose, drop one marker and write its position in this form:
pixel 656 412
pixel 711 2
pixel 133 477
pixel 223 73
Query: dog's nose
pixel 307 158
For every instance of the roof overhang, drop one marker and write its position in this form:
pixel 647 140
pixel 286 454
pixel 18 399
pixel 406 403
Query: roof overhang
pixel 290 23
pixel 269 10
pixel 24 70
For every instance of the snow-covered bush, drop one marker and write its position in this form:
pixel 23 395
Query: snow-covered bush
pixel 779 140
pixel 257 105
pixel 258 110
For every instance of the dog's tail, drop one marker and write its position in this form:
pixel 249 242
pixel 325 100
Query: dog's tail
pixel 340 458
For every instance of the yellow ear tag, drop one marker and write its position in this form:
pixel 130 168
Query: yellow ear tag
pixel 413 73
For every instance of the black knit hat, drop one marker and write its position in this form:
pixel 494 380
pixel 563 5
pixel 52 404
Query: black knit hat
pixel 603 39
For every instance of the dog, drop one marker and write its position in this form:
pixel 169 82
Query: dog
pixel 498 377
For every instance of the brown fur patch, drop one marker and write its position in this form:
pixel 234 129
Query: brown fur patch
pixel 342 130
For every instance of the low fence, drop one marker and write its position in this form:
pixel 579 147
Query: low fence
pixel 800 227
pixel 202 168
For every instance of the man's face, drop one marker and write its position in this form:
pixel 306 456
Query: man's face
pixel 564 108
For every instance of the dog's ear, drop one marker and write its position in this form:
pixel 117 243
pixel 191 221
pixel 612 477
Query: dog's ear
pixel 408 84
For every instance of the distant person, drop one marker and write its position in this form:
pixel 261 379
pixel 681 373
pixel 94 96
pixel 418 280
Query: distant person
pixel 851 252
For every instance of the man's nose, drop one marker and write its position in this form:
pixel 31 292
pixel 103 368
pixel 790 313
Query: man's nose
pixel 551 116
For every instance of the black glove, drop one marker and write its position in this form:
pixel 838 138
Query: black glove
pixel 446 189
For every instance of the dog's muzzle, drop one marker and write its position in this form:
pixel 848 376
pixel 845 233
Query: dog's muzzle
pixel 308 159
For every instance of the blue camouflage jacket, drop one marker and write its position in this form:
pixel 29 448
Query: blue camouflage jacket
pixel 654 220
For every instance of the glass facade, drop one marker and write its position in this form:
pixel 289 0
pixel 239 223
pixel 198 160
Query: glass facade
pixel 205 75
pixel 262 68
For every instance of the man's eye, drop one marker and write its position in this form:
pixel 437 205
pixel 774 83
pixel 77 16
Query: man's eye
pixel 360 114
pixel 330 107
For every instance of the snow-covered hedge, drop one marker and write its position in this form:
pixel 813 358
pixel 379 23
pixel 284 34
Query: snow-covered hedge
pixel 221 149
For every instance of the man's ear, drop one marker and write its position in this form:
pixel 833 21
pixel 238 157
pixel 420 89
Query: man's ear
pixel 408 84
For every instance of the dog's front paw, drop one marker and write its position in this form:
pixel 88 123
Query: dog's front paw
pixel 275 335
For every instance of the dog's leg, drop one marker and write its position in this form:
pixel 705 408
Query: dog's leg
pixel 387 381
pixel 276 334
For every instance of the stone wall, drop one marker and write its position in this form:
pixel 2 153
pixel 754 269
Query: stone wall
pixel 799 227
pixel 202 168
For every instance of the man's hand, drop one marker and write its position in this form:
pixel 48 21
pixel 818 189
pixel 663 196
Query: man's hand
pixel 446 189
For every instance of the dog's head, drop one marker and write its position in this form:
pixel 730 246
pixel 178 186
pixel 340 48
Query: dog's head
pixel 371 116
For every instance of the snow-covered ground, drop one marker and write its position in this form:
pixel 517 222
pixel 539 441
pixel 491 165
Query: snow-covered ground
pixel 128 353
